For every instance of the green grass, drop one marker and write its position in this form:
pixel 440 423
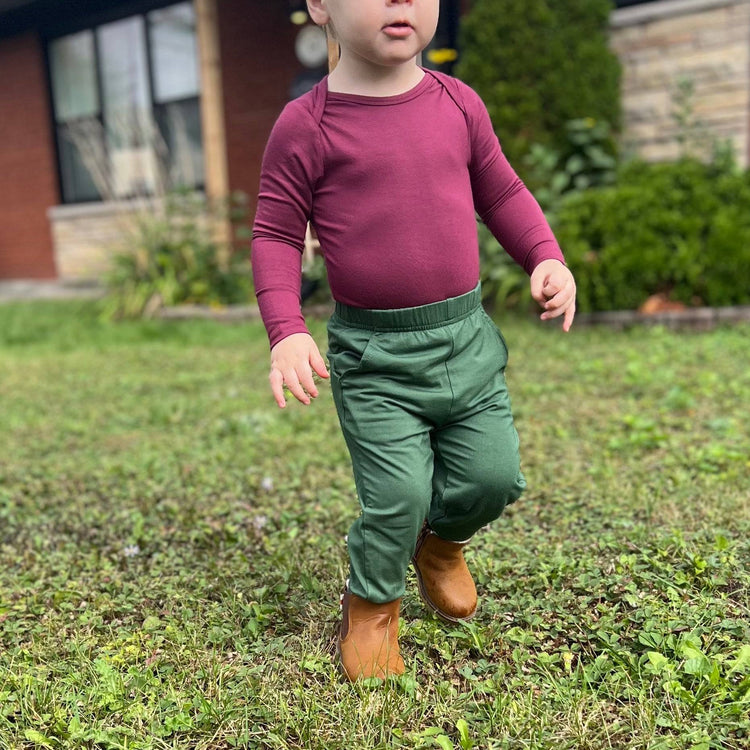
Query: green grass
pixel 171 550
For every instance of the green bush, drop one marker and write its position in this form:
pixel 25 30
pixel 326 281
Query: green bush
pixel 539 64
pixel 679 228
pixel 171 257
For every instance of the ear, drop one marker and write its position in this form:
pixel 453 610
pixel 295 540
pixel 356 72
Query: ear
pixel 318 10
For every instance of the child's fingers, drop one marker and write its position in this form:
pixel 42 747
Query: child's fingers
pixel 554 289
pixel 292 362
pixel 559 295
pixel 550 289
pixel 279 378
pixel 295 388
pixel 537 290
pixel 557 304
pixel 276 379
pixel 319 365
pixel 570 313
pixel 307 382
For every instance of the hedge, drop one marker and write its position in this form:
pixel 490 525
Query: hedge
pixel 539 64
pixel 679 228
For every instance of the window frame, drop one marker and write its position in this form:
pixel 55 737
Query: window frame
pixel 91 23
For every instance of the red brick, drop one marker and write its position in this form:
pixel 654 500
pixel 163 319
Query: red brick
pixel 258 67
pixel 28 182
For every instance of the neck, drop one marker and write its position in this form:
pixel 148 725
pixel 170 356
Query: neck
pixel 351 76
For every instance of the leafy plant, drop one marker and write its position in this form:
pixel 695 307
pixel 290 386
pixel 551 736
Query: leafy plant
pixel 172 256
pixel 587 159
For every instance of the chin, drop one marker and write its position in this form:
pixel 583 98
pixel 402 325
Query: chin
pixel 395 60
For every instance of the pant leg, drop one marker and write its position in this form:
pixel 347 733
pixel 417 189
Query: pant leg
pixel 477 462
pixel 393 479
pixel 477 474
pixel 392 461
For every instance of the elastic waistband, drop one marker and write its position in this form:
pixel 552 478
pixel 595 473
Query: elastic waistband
pixel 422 317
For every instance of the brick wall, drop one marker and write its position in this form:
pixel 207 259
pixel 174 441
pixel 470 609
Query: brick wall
pixel 258 67
pixel 27 162
pixel 704 42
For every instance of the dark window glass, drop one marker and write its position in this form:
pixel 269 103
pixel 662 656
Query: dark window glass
pixel 126 97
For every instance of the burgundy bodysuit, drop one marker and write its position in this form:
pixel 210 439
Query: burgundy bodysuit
pixel 392 186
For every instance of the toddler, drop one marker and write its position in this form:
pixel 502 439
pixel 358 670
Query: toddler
pixel 391 163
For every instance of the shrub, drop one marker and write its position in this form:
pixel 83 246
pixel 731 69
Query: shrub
pixel 539 64
pixel 679 228
pixel 171 257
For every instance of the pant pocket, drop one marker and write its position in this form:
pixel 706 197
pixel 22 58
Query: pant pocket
pixel 497 335
pixel 348 349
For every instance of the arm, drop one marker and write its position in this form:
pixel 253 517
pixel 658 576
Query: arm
pixel 514 217
pixel 289 172
pixel 294 354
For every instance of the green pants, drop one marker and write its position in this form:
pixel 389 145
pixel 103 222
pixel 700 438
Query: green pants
pixel 422 401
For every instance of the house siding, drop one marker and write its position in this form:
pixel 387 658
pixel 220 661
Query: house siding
pixel 28 175
pixel 41 239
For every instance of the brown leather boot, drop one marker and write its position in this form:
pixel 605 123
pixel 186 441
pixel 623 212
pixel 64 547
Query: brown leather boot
pixel 368 639
pixel 443 577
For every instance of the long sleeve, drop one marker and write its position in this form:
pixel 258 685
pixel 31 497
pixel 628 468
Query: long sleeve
pixel 291 166
pixel 502 201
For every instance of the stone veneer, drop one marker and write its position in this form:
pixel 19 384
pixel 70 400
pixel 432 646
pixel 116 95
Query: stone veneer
pixel 86 235
pixel 706 42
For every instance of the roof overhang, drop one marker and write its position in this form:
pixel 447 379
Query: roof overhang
pixel 50 17
pixel 6 5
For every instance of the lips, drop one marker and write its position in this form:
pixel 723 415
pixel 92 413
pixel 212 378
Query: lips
pixel 398 29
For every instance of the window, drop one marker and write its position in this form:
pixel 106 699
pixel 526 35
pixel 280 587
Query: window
pixel 127 107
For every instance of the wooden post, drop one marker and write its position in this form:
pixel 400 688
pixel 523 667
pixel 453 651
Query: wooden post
pixel 212 113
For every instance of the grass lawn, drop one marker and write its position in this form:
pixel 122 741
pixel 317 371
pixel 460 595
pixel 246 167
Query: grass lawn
pixel 171 550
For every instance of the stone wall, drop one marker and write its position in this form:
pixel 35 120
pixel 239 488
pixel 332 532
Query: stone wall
pixel 688 56
pixel 86 236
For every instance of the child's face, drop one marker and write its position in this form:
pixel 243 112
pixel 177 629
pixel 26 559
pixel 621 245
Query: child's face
pixel 381 32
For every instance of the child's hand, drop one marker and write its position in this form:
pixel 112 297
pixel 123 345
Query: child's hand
pixel 553 287
pixel 292 361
